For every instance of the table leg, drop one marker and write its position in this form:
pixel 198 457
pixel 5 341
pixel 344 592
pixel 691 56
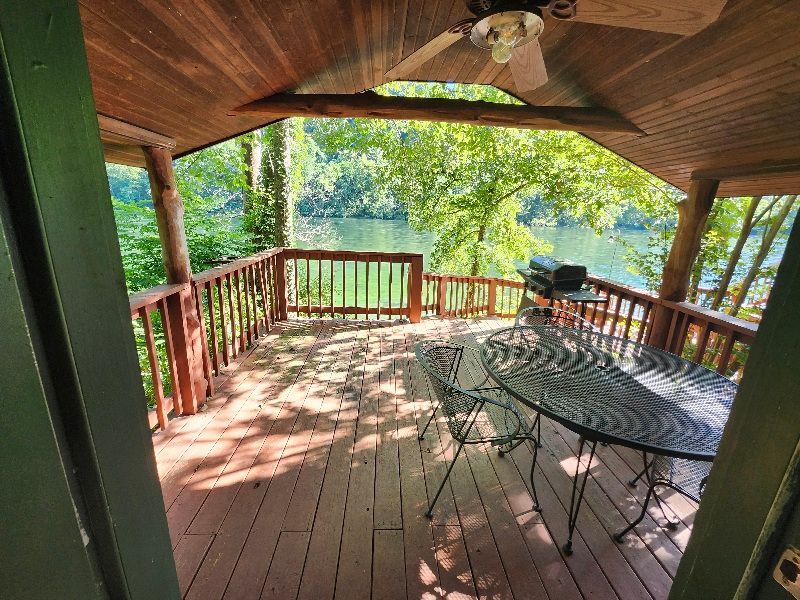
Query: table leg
pixel 579 481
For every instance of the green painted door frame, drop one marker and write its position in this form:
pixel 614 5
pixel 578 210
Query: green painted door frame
pixel 81 508
pixel 745 519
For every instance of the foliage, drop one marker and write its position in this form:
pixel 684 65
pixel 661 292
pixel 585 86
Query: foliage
pixel 210 182
pixel 467 183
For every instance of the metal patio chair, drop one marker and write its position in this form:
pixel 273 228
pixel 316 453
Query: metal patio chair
pixel 474 416
pixel 556 317
pixel 547 315
pixel 687 477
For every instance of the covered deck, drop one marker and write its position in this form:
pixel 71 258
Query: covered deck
pixel 304 477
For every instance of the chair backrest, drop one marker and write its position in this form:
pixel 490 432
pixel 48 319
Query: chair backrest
pixel 547 315
pixel 440 360
pixel 688 476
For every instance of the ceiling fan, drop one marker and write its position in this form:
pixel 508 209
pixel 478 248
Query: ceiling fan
pixel 511 28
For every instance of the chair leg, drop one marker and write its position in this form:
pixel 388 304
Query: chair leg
pixel 538 423
pixel 535 445
pixel 433 414
pixel 429 513
pixel 671 525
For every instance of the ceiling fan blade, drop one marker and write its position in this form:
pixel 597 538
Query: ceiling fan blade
pixel 682 17
pixel 426 52
pixel 527 67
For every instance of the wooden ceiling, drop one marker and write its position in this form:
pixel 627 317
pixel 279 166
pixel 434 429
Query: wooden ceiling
pixel 725 97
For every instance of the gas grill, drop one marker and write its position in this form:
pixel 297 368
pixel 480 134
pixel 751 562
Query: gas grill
pixel 558 279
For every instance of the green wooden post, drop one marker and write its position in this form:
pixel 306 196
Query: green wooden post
pixel 754 484
pixel 80 487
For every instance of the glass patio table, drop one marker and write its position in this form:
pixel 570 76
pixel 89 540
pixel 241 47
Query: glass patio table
pixel 608 389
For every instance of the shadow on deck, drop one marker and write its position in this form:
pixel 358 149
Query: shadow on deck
pixel 304 478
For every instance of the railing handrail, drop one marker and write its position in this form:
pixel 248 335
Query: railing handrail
pixel 152 295
pixel 738 325
pixel 234 265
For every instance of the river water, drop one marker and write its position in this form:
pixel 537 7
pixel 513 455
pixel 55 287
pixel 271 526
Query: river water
pixel 603 255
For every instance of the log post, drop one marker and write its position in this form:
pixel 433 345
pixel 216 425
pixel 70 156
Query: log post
pixel 184 319
pixel 281 292
pixel 415 289
pixel 693 213
pixel 492 298
pixel 441 295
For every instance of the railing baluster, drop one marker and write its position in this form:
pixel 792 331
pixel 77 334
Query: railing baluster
pixel 155 370
pixel 177 405
pixel 391 269
pixel 246 292
pixel 212 323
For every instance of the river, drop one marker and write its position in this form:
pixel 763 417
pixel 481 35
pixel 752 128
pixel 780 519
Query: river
pixel 602 255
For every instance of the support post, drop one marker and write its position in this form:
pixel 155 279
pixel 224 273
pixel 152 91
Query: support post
pixel 83 514
pixel 184 320
pixel 441 306
pixel 492 297
pixel 281 293
pixel 693 213
pixel 415 289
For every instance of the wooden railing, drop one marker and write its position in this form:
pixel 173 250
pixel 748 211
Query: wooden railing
pixel 150 310
pixel 239 302
pixel 711 338
pixel 338 283
pixel 462 296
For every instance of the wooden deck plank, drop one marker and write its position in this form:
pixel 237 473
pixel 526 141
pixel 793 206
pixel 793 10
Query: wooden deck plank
pixel 249 574
pixel 354 576
pixel 283 579
pixel 189 553
pixel 322 560
pixel 387 460
pixel 216 570
pixel 265 397
pixel 181 473
pixel 204 501
pixel 303 506
pixel 388 567
pixel 312 484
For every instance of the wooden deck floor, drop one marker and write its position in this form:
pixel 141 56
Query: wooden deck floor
pixel 304 478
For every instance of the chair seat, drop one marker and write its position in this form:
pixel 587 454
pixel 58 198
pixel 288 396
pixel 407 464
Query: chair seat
pixel 688 476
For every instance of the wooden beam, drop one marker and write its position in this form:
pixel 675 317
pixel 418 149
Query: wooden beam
pixel 753 171
pixel 472 112
pixel 692 216
pixel 119 132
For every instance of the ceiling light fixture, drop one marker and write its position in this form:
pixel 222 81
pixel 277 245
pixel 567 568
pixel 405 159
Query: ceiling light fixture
pixel 503 30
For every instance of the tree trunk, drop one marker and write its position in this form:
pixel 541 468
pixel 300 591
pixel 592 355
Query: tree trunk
pixel 476 263
pixel 692 216
pixel 763 252
pixel 736 253
pixel 254 190
pixel 277 157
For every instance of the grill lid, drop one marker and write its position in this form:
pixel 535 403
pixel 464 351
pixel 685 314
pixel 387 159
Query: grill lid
pixel 556 270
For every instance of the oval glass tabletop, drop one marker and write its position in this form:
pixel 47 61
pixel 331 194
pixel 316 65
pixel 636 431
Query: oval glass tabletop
pixel 613 390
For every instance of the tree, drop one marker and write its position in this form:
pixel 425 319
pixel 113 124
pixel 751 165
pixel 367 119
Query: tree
pixel 767 240
pixel 465 183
